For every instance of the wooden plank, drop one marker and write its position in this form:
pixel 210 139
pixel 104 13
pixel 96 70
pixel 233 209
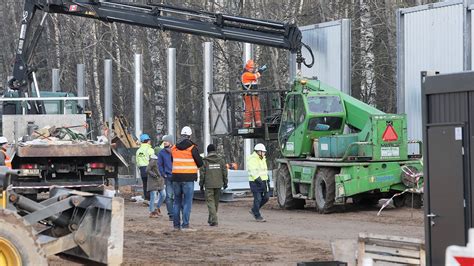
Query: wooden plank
pixel 393 251
pixel 376 257
pixel 422 257
pixel 391 238
pixel 361 253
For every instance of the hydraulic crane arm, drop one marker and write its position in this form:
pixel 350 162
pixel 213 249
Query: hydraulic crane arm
pixel 163 17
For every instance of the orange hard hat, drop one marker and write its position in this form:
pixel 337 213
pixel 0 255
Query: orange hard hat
pixel 250 64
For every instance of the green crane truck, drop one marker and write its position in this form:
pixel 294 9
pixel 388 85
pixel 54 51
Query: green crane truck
pixel 321 161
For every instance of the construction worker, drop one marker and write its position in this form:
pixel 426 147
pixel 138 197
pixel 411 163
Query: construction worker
pixel 258 180
pixel 249 79
pixel 165 166
pixel 186 162
pixel 142 156
pixel 4 158
pixel 213 177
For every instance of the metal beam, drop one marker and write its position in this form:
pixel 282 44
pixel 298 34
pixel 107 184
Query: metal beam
pixel 108 112
pixel 81 83
pixel 55 86
pixel 248 143
pixel 138 96
pixel 171 112
pixel 208 88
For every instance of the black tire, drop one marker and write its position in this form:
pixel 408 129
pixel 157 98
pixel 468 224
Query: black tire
pixel 19 234
pixel 283 190
pixel 399 201
pixel 325 189
pixel 413 200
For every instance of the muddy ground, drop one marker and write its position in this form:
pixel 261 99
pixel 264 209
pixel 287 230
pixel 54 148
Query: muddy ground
pixel 286 238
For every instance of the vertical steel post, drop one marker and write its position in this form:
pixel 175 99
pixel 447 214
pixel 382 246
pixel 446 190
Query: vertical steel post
pixel 248 143
pixel 208 87
pixel 138 96
pixel 108 112
pixel 171 112
pixel 81 83
pixel 55 86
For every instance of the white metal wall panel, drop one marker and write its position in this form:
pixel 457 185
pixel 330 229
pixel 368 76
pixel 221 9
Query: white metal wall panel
pixel 331 45
pixel 432 39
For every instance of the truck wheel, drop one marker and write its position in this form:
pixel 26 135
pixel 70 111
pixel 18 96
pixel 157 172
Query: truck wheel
pixel 18 244
pixel 283 187
pixel 399 201
pixel 413 200
pixel 325 189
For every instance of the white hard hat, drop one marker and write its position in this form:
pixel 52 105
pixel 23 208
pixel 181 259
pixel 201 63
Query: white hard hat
pixel 3 140
pixel 260 147
pixel 186 131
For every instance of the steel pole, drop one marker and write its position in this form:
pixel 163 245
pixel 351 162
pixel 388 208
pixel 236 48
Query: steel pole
pixel 55 86
pixel 138 96
pixel 80 83
pixel 109 112
pixel 171 112
pixel 208 88
pixel 248 143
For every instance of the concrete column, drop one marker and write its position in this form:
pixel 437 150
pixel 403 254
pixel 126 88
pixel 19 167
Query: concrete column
pixel 81 83
pixel 55 86
pixel 108 112
pixel 171 112
pixel 208 88
pixel 248 143
pixel 138 96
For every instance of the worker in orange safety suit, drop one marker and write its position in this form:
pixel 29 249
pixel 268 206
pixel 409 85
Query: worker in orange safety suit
pixel 249 81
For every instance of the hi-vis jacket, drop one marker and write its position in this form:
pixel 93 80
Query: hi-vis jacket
pixel 250 80
pixel 143 154
pixel 257 167
pixel 186 161
pixel 8 160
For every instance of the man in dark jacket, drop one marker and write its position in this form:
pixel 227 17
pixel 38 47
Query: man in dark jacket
pixel 165 166
pixel 186 162
pixel 213 177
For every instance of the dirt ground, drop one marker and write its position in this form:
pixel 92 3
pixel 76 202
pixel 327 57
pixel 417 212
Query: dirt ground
pixel 286 238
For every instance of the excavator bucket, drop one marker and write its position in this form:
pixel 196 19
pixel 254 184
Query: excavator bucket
pixel 85 226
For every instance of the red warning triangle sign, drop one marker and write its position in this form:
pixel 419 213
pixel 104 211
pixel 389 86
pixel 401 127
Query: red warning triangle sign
pixel 390 134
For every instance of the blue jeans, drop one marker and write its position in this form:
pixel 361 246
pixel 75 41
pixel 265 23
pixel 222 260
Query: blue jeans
pixel 259 199
pixel 169 197
pixel 183 200
pixel 162 196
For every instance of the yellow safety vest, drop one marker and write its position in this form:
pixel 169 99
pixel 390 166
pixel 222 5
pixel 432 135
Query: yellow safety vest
pixel 257 167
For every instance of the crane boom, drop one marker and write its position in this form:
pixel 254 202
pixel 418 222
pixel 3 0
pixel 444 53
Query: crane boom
pixel 202 23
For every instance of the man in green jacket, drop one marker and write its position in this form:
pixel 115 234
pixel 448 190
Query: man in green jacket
pixel 142 158
pixel 213 177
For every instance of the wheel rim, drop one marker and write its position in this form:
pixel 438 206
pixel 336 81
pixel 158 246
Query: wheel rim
pixel 8 253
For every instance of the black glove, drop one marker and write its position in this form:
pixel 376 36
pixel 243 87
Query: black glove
pixel 258 180
pixel 225 186
pixel 202 188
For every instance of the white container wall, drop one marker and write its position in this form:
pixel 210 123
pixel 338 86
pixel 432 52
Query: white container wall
pixel 429 38
pixel 331 45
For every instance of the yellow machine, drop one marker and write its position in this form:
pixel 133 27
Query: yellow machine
pixel 78 224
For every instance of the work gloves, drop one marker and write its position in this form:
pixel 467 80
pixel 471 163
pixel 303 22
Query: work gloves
pixel 258 180
pixel 262 69
pixel 202 188
pixel 225 186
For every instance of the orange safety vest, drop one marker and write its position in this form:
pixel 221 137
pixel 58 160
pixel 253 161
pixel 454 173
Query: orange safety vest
pixel 8 160
pixel 249 79
pixel 183 162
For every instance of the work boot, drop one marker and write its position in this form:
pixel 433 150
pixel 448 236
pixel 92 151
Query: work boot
pixel 212 224
pixel 251 213
pixel 154 215
pixel 158 212
pixel 260 219
pixel 188 229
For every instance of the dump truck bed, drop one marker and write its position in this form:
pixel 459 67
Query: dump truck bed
pixel 83 149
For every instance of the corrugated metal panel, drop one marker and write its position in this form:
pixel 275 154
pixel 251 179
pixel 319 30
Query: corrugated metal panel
pixel 331 45
pixel 429 38
pixel 448 108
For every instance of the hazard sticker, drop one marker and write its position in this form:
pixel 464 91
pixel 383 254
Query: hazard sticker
pixel 389 134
